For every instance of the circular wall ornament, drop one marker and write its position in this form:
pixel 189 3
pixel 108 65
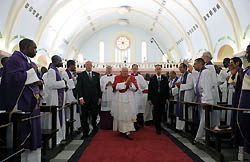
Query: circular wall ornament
pixel 122 43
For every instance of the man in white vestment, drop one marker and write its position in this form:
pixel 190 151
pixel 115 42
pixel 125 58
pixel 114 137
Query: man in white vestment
pixel 140 104
pixel 226 89
pixel 207 57
pixel 123 106
pixel 148 115
pixel 56 94
pixel 70 99
pixel 203 91
pixel 186 93
pixel 174 93
pixel 106 83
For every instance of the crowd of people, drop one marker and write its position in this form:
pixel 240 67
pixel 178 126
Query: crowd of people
pixel 124 102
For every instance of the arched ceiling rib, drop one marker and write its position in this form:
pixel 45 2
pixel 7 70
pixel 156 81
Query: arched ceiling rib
pixel 157 12
pixel 81 31
pixel 140 25
pixel 16 9
pixel 110 10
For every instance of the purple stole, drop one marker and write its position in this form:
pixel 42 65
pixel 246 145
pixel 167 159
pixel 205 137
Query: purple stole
pixel 244 118
pixel 13 80
pixel 60 92
pixel 1 72
pixel 198 97
pixel 179 110
pixel 173 84
pixel 209 63
pixel 69 73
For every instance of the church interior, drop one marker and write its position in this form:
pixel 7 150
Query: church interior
pixel 121 35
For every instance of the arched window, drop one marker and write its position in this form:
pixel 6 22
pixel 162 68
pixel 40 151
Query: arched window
pixel 101 52
pixel 144 52
pixel 122 49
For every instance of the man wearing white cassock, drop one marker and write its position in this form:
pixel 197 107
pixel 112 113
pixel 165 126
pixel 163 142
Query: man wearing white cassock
pixel 106 83
pixel 174 93
pixel 70 99
pixel 203 91
pixel 226 89
pixel 140 104
pixel 186 93
pixel 148 115
pixel 207 57
pixel 123 106
pixel 56 94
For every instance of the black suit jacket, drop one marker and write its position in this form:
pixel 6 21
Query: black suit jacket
pixel 153 94
pixel 89 89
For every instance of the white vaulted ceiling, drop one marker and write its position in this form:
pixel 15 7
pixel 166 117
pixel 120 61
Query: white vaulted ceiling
pixel 187 27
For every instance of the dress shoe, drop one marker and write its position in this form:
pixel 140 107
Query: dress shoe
pixel 95 129
pixel 158 131
pixel 129 137
pixel 84 136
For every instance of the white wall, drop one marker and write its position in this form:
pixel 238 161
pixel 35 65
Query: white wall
pixel 90 48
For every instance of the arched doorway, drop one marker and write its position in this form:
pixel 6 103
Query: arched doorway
pixel 225 51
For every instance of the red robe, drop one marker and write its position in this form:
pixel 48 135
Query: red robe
pixel 120 79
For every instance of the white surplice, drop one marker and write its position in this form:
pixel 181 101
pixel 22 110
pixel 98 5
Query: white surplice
pixel 215 93
pixel 206 96
pixel 123 108
pixel 189 96
pixel 107 92
pixel 148 115
pixel 227 93
pixel 52 100
pixel 71 83
pixel 139 99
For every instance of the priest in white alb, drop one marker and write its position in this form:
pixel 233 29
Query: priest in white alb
pixel 56 94
pixel 123 106
pixel 70 100
pixel 139 98
pixel 215 114
pixel 186 88
pixel 203 91
pixel 106 83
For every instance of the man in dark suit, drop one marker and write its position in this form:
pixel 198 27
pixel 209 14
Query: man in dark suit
pixel 158 95
pixel 89 93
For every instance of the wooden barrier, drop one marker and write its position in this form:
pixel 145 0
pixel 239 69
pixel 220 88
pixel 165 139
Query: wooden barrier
pixel 219 136
pixel 12 154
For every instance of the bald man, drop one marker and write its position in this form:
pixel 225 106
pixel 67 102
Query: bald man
pixel 124 106
pixel 90 97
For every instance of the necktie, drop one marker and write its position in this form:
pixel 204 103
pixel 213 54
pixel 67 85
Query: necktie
pixel 90 75
pixel 159 84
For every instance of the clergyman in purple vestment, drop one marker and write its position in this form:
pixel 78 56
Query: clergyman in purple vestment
pixel 20 91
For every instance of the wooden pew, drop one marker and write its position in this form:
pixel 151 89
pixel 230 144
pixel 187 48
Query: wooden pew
pixel 191 126
pixel 222 135
pixel 48 134
pixel 70 124
pixel 172 115
pixel 13 154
